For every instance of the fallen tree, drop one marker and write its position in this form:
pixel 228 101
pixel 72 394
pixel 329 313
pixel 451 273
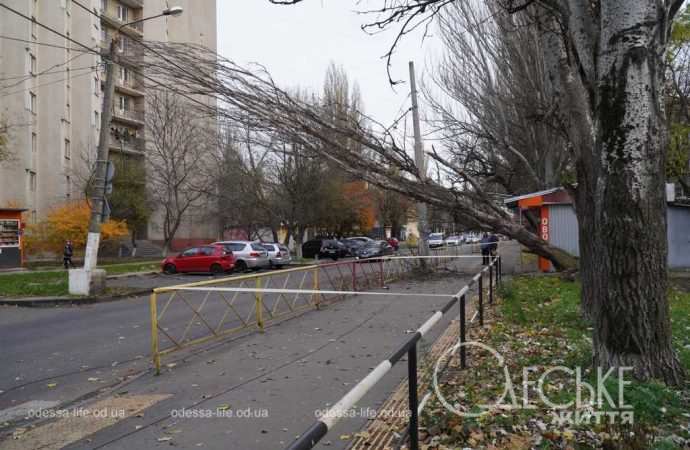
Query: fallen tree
pixel 239 91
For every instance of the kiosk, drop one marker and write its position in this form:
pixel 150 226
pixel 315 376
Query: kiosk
pixel 11 230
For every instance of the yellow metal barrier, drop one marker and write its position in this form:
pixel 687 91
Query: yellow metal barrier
pixel 236 311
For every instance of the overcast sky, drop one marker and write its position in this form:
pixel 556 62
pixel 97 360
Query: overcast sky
pixel 297 43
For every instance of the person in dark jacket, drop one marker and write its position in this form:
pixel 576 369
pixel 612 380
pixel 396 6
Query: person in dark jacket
pixel 485 247
pixel 67 255
pixel 493 245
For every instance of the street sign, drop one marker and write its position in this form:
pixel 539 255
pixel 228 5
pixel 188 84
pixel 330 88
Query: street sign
pixel 105 214
pixel 109 175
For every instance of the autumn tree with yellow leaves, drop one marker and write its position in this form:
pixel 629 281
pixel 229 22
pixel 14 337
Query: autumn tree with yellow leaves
pixel 69 221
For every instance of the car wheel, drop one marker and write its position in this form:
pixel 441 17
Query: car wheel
pixel 169 269
pixel 217 269
pixel 241 266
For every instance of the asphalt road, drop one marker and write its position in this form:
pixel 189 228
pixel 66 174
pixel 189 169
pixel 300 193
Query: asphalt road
pixel 64 355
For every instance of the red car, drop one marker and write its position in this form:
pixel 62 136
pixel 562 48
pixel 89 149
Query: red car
pixel 393 242
pixel 208 258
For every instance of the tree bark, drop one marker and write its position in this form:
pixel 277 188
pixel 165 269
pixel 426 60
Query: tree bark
pixel 620 200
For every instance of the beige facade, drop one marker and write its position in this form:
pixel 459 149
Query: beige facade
pixel 51 89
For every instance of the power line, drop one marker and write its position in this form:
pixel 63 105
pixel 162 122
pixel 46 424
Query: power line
pixel 139 72
pixel 10 38
pixel 93 69
pixel 33 20
pixel 51 72
pixel 27 77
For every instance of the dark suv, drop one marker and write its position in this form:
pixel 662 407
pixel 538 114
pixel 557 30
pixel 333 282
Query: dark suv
pixel 324 248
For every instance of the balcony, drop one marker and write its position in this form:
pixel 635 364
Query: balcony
pixel 136 4
pixel 132 86
pixel 130 146
pixel 131 116
pixel 136 29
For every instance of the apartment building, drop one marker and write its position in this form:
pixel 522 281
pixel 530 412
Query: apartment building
pixel 51 89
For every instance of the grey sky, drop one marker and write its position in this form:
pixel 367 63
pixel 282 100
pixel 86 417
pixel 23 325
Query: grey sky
pixel 296 44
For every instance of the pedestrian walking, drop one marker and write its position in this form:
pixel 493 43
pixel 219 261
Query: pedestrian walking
pixel 67 255
pixel 493 245
pixel 485 247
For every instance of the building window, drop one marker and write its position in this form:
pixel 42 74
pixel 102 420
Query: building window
pixel 104 5
pixel 104 34
pixel 96 86
pixel 68 112
pixel 34 142
pixel 124 104
pixel 68 149
pixel 32 65
pixel 122 13
pixel 32 181
pixel 68 186
pixel 34 28
pixel 96 119
pixel 32 102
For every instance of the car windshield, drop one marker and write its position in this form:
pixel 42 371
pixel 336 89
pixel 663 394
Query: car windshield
pixel 258 248
pixel 436 236
pixel 268 247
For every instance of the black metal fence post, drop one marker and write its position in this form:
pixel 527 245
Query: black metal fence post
pixel 463 331
pixel 481 302
pixel 491 284
pixel 412 387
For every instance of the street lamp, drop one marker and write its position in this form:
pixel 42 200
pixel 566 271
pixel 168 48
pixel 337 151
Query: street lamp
pixel 172 11
pixel 89 280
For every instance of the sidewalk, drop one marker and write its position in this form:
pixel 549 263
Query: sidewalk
pixel 281 378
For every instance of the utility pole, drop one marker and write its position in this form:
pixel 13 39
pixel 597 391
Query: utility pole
pixel 89 280
pixel 98 200
pixel 423 244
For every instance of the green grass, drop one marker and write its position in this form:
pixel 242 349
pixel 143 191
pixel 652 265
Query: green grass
pixel 54 282
pixel 539 325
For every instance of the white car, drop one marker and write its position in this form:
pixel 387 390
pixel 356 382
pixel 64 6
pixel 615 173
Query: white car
pixel 436 240
pixel 453 240
pixel 248 255
pixel 278 254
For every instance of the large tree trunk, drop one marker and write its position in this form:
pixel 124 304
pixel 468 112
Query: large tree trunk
pixel 621 205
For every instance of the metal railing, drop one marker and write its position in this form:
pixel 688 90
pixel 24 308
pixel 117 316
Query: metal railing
pixel 320 428
pixel 232 304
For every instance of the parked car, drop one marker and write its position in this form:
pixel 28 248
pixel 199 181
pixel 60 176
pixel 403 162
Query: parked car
pixel 453 240
pixel 393 242
pixel 435 240
pixel 248 255
pixel 324 248
pixel 208 258
pixel 278 254
pixel 352 245
pixel 362 239
pixel 375 249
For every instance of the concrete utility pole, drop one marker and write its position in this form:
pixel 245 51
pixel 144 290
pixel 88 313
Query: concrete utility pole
pixel 422 225
pixel 89 280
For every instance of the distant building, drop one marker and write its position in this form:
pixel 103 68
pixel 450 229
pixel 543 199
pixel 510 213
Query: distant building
pixel 558 223
pixel 52 93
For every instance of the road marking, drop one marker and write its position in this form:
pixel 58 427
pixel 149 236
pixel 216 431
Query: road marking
pixel 75 423
pixel 25 409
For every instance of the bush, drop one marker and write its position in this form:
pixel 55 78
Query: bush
pixel 69 221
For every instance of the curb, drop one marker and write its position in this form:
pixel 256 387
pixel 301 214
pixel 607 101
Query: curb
pixel 132 274
pixel 42 302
